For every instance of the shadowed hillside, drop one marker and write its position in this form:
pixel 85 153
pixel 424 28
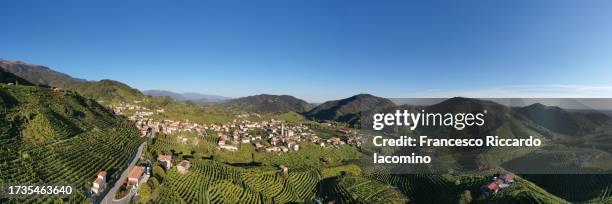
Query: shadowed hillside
pixel 562 121
pixel 348 110
pixel 265 103
pixel 7 77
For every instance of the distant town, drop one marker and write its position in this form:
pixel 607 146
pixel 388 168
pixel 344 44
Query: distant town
pixel 280 136
pixel 271 136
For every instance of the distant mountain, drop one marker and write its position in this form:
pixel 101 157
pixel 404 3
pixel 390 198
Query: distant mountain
pixel 173 95
pixel 348 110
pixel 265 103
pixel 37 74
pixel 563 121
pixel 107 90
pixel 7 77
pixel 190 96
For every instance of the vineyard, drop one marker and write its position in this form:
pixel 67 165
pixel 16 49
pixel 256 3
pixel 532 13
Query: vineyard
pixel 63 138
pixel 213 182
pixel 59 138
pixel 575 187
pixel 355 189
pixel 427 188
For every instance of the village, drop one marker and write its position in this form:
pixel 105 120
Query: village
pixel 271 136
pixel 275 136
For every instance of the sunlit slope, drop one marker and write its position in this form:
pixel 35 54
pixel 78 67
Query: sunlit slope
pixel 214 182
pixel 59 137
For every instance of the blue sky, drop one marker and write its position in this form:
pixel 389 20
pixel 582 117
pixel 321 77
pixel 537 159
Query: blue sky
pixel 321 50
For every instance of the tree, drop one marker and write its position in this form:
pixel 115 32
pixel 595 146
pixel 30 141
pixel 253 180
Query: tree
pixel 153 183
pixel 465 197
pixel 159 173
pixel 145 193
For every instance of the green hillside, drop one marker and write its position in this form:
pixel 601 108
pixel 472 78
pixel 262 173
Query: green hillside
pixel 356 189
pixel 59 137
pixel 213 182
pixel 575 187
pixel 65 137
pixel 562 121
pixel 106 90
pixel 265 103
pixel 113 92
pixel 348 110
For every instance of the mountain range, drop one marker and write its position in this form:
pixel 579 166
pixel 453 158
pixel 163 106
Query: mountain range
pixel 188 96
pixel 36 118
pixel 348 110
pixel 103 90
pixel 38 74
pixel 563 121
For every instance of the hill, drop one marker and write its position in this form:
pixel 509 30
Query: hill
pixel 356 189
pixel 348 110
pixel 499 120
pixel 59 137
pixel 37 74
pixel 563 121
pixel 100 90
pixel 265 103
pixel 108 90
pixel 7 77
pixel 113 92
pixel 194 97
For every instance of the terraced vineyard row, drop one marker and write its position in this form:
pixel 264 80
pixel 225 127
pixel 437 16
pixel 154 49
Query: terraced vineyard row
pixel 168 143
pixel 574 187
pixel 74 161
pixel 210 181
pixel 59 138
pixel 353 189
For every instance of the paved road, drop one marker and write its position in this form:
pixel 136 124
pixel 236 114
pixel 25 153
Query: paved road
pixel 109 198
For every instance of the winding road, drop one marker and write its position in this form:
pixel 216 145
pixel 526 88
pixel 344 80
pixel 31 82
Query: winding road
pixel 109 198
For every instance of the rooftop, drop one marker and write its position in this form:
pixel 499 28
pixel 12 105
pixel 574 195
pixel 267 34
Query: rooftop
pixel 136 172
pixel 164 157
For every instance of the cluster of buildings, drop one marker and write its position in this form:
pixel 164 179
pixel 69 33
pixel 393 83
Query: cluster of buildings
pixel 269 136
pixel 141 116
pixel 99 183
pixel 166 161
pixel 498 183
pixel 135 177
pixel 276 136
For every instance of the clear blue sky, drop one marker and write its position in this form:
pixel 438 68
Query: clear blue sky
pixel 320 50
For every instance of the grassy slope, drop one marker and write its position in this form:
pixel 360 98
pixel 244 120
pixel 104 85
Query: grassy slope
pixel 56 137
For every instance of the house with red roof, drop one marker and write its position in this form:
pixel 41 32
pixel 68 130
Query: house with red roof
pixel 99 183
pixel 135 175
pixel 165 160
